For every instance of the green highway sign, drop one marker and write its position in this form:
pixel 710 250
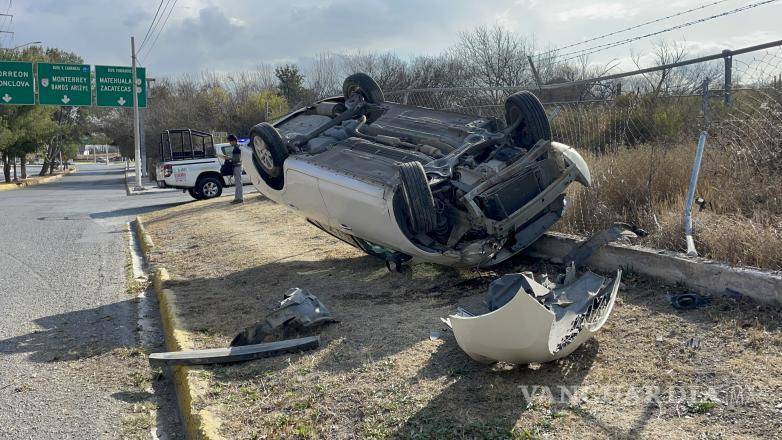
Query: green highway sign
pixel 64 84
pixel 113 86
pixel 17 86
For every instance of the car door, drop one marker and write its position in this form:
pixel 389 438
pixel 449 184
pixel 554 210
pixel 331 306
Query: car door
pixel 359 209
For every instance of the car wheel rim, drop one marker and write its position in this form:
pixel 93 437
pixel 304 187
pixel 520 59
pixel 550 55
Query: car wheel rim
pixel 210 189
pixel 264 155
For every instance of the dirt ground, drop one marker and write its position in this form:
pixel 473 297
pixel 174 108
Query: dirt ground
pixel 379 374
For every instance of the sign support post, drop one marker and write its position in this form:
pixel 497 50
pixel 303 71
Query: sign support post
pixel 136 134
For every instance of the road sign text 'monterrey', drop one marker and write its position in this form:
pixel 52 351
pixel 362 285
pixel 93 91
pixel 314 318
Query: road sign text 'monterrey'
pixel 64 84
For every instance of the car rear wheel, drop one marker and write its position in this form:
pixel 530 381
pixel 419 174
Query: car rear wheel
pixel 525 109
pixel 209 187
pixel 269 153
pixel 419 203
pixel 364 85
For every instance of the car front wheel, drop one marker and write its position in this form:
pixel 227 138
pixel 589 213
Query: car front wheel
pixel 525 111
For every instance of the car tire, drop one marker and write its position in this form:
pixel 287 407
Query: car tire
pixel 269 154
pixel 369 89
pixel 209 187
pixel 419 203
pixel 194 194
pixel 534 125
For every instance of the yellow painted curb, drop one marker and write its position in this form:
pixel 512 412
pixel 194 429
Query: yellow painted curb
pixel 199 424
pixel 144 240
pixel 28 182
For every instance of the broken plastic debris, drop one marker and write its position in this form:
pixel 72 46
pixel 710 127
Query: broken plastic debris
pixel 528 322
pixel 244 353
pixel 298 311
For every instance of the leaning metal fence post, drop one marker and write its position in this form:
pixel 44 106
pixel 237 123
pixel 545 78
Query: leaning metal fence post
pixel 728 57
pixel 554 113
pixel 696 168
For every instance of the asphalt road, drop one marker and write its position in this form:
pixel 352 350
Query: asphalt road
pixel 64 306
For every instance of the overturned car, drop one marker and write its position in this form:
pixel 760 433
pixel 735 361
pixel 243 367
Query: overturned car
pixel 409 183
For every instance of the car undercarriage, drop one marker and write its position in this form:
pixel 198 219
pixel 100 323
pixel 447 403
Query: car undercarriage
pixel 426 185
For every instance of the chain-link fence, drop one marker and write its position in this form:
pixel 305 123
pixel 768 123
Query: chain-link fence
pixel 639 130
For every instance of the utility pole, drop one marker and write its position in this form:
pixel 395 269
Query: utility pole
pixel 142 124
pixel 136 134
pixel 142 141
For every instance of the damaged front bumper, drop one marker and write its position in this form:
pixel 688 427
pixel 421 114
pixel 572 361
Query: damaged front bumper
pixel 535 322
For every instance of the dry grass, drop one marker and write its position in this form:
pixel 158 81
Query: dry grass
pixel 741 223
pixel 378 374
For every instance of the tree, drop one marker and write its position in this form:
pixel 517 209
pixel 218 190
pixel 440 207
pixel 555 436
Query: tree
pixel 386 68
pixel 290 83
pixel 494 57
pixel 7 138
pixel 324 77
pixel 34 127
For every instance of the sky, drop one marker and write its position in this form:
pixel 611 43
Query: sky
pixel 234 35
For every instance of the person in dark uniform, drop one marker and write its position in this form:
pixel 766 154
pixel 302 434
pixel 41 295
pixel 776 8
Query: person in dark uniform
pixel 236 158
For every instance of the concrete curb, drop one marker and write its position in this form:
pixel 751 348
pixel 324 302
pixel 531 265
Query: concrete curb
pixel 144 240
pixel 699 274
pixel 38 181
pixel 199 424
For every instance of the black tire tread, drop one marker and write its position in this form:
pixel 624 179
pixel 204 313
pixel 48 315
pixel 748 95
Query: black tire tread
pixel 369 88
pixel 200 183
pixel 537 124
pixel 418 197
pixel 278 151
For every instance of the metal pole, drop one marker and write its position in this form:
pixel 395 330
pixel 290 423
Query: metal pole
pixel 696 168
pixel 136 134
pixel 728 74
pixel 143 142
pixel 613 76
pixel 534 72
pixel 142 125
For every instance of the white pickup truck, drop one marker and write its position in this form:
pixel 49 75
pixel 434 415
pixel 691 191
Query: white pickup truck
pixel 192 162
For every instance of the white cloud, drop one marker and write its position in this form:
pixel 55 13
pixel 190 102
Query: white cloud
pixel 238 22
pixel 240 34
pixel 598 11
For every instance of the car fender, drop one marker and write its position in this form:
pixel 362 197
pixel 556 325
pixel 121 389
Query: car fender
pixel 584 177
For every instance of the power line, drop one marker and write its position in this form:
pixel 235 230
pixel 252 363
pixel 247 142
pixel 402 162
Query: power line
pixel 160 30
pixel 606 46
pixel 151 24
pixel 156 26
pixel 10 23
pixel 657 20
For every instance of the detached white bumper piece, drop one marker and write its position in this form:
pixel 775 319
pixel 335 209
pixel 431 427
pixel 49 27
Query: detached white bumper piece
pixel 530 322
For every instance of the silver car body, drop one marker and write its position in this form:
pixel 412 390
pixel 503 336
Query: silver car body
pixel 349 186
